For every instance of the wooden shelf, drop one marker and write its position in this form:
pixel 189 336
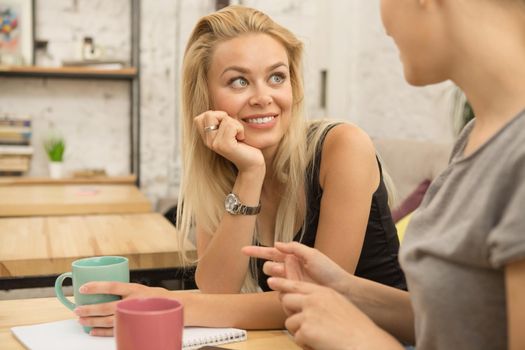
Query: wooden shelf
pixel 26 180
pixel 68 72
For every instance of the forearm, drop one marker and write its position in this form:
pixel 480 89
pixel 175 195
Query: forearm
pixel 222 267
pixel 246 311
pixel 390 308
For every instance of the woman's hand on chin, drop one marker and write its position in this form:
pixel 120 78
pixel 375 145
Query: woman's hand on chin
pixel 225 136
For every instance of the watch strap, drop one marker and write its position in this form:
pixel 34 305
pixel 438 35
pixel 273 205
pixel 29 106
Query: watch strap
pixel 246 210
pixel 235 207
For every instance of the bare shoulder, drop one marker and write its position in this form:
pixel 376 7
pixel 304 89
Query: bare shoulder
pixel 350 139
pixel 347 148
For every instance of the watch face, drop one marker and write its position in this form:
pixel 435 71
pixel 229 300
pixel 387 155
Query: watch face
pixel 231 203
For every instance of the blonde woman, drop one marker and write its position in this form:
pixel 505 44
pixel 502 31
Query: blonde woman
pixel 255 171
pixel 464 250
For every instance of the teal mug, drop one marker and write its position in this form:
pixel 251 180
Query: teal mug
pixel 99 268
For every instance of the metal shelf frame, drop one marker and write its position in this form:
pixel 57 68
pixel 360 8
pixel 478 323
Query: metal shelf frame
pixel 131 74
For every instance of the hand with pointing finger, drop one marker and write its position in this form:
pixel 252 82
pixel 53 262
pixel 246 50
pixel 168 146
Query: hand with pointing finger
pixel 296 261
pixel 324 319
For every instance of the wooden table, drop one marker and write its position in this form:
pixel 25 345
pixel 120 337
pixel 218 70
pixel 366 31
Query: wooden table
pixel 71 199
pixel 46 246
pixel 31 311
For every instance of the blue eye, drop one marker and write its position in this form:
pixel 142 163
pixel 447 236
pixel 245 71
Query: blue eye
pixel 277 78
pixel 238 83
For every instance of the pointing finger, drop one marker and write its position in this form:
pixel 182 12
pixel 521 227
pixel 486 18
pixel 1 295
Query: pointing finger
pixel 267 253
pixel 284 285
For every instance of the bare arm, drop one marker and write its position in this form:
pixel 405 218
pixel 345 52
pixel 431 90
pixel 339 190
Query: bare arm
pixel 515 285
pixel 222 268
pixel 390 308
pixel 349 176
pixel 248 311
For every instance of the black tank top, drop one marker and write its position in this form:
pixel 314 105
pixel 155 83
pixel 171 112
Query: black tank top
pixel 378 260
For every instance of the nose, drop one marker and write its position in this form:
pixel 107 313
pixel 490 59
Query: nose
pixel 260 98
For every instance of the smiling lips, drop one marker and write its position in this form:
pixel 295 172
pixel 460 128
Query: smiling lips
pixel 260 121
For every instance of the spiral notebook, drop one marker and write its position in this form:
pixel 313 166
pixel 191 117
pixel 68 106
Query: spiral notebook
pixel 67 335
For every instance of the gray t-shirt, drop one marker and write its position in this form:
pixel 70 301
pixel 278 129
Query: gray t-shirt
pixel 470 224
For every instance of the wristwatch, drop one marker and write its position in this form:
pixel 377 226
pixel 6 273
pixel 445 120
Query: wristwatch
pixel 233 205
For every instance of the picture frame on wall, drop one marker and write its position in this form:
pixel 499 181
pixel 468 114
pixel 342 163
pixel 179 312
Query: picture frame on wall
pixel 16 32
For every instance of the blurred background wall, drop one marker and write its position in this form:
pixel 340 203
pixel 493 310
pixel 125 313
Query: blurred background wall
pixel 344 43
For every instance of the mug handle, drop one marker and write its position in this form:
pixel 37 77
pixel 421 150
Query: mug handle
pixel 60 294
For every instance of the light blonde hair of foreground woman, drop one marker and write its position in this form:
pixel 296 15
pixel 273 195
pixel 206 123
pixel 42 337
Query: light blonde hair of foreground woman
pixel 207 177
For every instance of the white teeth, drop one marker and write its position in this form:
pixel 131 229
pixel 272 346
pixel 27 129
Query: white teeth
pixel 262 120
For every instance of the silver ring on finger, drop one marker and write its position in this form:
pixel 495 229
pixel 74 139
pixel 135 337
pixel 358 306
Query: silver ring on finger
pixel 211 127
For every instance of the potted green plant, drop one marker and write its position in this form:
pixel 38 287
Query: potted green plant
pixel 55 147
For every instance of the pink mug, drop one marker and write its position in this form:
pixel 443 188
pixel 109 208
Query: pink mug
pixel 149 323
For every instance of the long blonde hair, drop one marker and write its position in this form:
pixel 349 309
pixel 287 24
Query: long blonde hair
pixel 208 177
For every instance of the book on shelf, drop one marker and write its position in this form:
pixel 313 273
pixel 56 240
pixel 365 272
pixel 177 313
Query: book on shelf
pixel 15 160
pixel 14 164
pixel 68 335
pixel 15 135
pixel 7 122
pixel 15 131
pixel 97 64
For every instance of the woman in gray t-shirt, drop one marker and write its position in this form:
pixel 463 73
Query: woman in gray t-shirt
pixel 464 250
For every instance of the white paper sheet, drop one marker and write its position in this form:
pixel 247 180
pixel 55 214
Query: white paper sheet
pixel 68 334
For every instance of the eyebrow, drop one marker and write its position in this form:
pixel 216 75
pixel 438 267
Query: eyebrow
pixel 245 71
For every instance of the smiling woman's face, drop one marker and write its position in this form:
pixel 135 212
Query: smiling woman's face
pixel 249 79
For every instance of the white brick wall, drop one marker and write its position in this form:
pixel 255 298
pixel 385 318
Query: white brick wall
pixel 66 22
pixel 381 101
pixel 166 25
pixel 365 84
pixel 365 78
pixel 93 115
